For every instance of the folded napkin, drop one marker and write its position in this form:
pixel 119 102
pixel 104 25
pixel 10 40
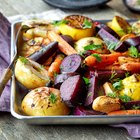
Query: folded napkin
pixel 5 28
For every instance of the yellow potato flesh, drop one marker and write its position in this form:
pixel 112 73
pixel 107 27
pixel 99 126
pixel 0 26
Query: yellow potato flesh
pixel 75 33
pixel 31 75
pixel 131 87
pixel 37 103
pixel 120 26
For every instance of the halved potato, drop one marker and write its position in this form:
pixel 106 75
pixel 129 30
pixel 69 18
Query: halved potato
pixel 30 74
pixel 75 27
pixel 97 42
pixel 44 101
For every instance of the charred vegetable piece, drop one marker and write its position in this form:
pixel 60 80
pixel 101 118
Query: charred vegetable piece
pixel 82 111
pixel 112 42
pixel 44 53
pixel 92 91
pixel 106 104
pixel 73 91
pixel 60 78
pixel 71 63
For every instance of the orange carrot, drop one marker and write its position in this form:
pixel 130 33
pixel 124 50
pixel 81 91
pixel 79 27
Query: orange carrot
pixel 124 112
pixel 133 67
pixel 105 60
pixel 55 66
pixel 63 45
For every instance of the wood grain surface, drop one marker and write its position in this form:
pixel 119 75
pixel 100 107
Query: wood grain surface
pixel 13 129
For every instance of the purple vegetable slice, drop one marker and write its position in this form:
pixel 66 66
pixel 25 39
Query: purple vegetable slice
pixel 108 29
pixel 92 91
pixel 135 41
pixel 60 78
pixel 73 91
pixel 112 42
pixel 82 111
pixel 44 53
pixel 71 63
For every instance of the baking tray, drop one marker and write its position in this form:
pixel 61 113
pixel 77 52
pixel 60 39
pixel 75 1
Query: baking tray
pixel 17 94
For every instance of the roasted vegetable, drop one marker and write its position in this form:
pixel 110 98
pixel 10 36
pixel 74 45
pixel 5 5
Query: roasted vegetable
pixel 131 87
pixel 44 101
pixel 30 73
pixel 77 26
pixel 106 104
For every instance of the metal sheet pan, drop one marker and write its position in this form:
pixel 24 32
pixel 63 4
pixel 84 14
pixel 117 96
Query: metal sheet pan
pixel 17 94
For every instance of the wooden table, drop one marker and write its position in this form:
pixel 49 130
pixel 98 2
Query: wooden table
pixel 13 129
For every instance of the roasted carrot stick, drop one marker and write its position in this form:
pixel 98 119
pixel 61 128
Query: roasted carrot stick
pixel 105 59
pixel 63 45
pixel 55 66
pixel 124 112
pixel 133 67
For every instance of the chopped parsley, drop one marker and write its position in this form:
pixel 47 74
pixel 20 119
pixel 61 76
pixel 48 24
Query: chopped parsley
pixel 89 94
pixel 57 23
pixel 133 52
pixel 113 95
pixel 92 47
pixel 23 60
pixel 87 24
pixel 125 98
pixel 135 107
pixel 118 85
pixel 86 80
pixel 53 98
pixel 113 74
pixel 97 56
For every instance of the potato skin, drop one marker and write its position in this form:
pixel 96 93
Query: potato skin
pixel 38 103
pixel 31 74
pixel 106 104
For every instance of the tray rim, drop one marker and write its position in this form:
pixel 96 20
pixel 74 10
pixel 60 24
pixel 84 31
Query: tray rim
pixel 70 118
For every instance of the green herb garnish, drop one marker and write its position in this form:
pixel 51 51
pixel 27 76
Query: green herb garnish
pixel 113 74
pixel 92 47
pixel 87 24
pixel 97 56
pixel 53 98
pixel 133 52
pixel 89 94
pixel 57 23
pixel 86 80
pixel 23 60
pixel 135 107
pixel 125 98
pixel 118 85
pixel 127 74
pixel 113 95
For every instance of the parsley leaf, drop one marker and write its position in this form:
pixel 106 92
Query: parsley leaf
pixel 92 47
pixel 57 23
pixel 23 60
pixel 53 98
pixel 135 107
pixel 118 85
pixel 113 95
pixel 133 52
pixel 87 24
pixel 97 56
pixel 125 98
pixel 86 80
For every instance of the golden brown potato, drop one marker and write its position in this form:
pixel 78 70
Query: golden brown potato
pixel 30 74
pixel 44 101
pixel 106 104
